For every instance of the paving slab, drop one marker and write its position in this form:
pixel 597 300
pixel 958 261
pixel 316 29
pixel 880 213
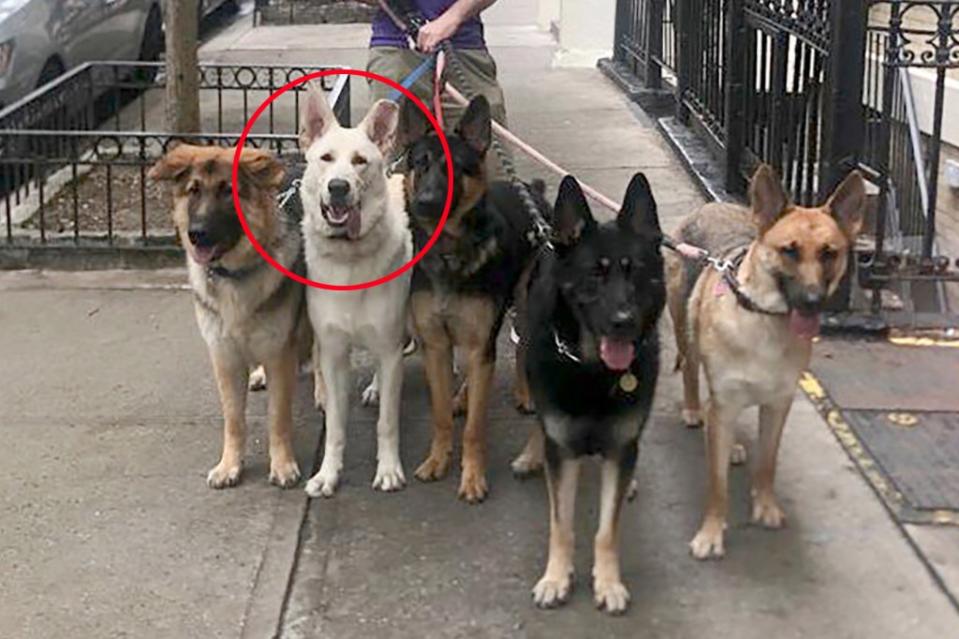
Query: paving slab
pixel 110 420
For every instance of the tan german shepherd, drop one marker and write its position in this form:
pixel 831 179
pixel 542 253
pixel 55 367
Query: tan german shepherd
pixel 248 312
pixel 753 332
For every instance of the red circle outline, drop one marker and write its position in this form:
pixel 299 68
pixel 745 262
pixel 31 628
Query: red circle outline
pixel 389 276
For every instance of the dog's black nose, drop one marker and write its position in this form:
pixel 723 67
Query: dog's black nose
pixel 623 318
pixel 339 189
pixel 429 202
pixel 199 237
pixel 810 301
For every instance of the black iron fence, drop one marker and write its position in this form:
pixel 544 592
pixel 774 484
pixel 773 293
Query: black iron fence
pixel 74 154
pixel 814 88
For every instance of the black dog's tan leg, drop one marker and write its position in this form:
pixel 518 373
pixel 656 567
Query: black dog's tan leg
pixel 720 421
pixel 608 589
pixel 231 379
pixel 772 418
pixel 438 361
pixel 281 372
pixel 530 461
pixel 562 476
pixel 473 486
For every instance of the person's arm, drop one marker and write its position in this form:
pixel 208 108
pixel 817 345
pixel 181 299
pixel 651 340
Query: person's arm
pixel 443 27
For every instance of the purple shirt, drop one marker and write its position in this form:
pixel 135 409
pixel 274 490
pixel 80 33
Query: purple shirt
pixel 387 34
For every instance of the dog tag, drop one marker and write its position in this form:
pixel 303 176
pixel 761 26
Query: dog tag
pixel 628 382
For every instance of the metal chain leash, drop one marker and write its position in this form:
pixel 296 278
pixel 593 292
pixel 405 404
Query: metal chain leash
pixel 541 231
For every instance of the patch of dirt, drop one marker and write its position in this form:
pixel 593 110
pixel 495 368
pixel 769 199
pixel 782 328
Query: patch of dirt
pixel 122 186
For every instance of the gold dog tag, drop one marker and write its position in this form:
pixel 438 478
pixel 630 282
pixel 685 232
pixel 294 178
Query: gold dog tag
pixel 628 382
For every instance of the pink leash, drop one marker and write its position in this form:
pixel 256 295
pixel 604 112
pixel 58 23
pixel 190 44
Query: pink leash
pixel 438 88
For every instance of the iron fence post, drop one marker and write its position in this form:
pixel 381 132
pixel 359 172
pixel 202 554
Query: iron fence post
pixel 684 19
pixel 844 124
pixel 843 117
pixel 654 43
pixel 733 108
pixel 619 26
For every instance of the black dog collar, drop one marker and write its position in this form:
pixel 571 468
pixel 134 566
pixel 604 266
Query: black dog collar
pixel 729 278
pixel 235 275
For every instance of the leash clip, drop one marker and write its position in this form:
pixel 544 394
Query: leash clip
pixel 721 266
pixel 285 196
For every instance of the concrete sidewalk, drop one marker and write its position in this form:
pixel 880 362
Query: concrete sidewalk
pixel 110 419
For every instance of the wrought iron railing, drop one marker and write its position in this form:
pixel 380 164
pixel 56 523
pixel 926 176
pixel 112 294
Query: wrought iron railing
pixel 816 89
pixel 74 154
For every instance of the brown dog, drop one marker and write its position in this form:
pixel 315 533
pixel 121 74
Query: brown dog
pixel 248 313
pixel 753 332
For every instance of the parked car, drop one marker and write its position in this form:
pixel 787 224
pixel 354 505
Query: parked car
pixel 40 39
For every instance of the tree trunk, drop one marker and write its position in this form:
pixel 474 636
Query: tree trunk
pixel 182 73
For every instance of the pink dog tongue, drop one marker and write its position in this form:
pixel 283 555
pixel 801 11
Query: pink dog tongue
pixel 203 254
pixel 616 354
pixel 804 326
pixel 353 222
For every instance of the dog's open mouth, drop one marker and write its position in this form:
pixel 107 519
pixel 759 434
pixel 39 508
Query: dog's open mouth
pixel 617 354
pixel 204 255
pixel 344 219
pixel 804 325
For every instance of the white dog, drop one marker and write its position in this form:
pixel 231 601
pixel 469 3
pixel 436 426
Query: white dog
pixel 355 230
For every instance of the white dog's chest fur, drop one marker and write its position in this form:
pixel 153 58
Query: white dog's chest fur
pixel 371 317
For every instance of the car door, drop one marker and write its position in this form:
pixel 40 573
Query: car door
pixel 98 29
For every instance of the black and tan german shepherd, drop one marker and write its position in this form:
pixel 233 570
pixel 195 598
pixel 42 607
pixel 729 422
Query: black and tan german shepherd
pixel 463 287
pixel 593 361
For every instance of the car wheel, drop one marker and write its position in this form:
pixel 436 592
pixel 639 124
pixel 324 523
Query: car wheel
pixel 50 71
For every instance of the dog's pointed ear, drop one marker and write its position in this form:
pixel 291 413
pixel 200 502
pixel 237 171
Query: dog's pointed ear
pixel 380 124
pixel 476 127
pixel 316 116
pixel 413 124
pixel 847 204
pixel 263 167
pixel 173 165
pixel 767 197
pixel 639 213
pixel 572 216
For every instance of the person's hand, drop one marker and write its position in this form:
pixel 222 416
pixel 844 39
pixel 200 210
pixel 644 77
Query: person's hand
pixel 433 33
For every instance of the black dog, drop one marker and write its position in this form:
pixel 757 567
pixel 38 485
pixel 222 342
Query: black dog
pixel 464 285
pixel 592 364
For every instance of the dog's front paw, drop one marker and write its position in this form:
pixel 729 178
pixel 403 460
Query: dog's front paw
pixel 371 394
pixel 766 511
pixel 435 467
pixel 389 477
pixel 526 465
pixel 610 595
pixel 632 490
pixel 738 455
pixel 257 381
pixel 284 473
pixel 473 488
pixel 552 591
pixel 523 402
pixel 224 475
pixel 708 542
pixel 692 418
pixel 323 483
